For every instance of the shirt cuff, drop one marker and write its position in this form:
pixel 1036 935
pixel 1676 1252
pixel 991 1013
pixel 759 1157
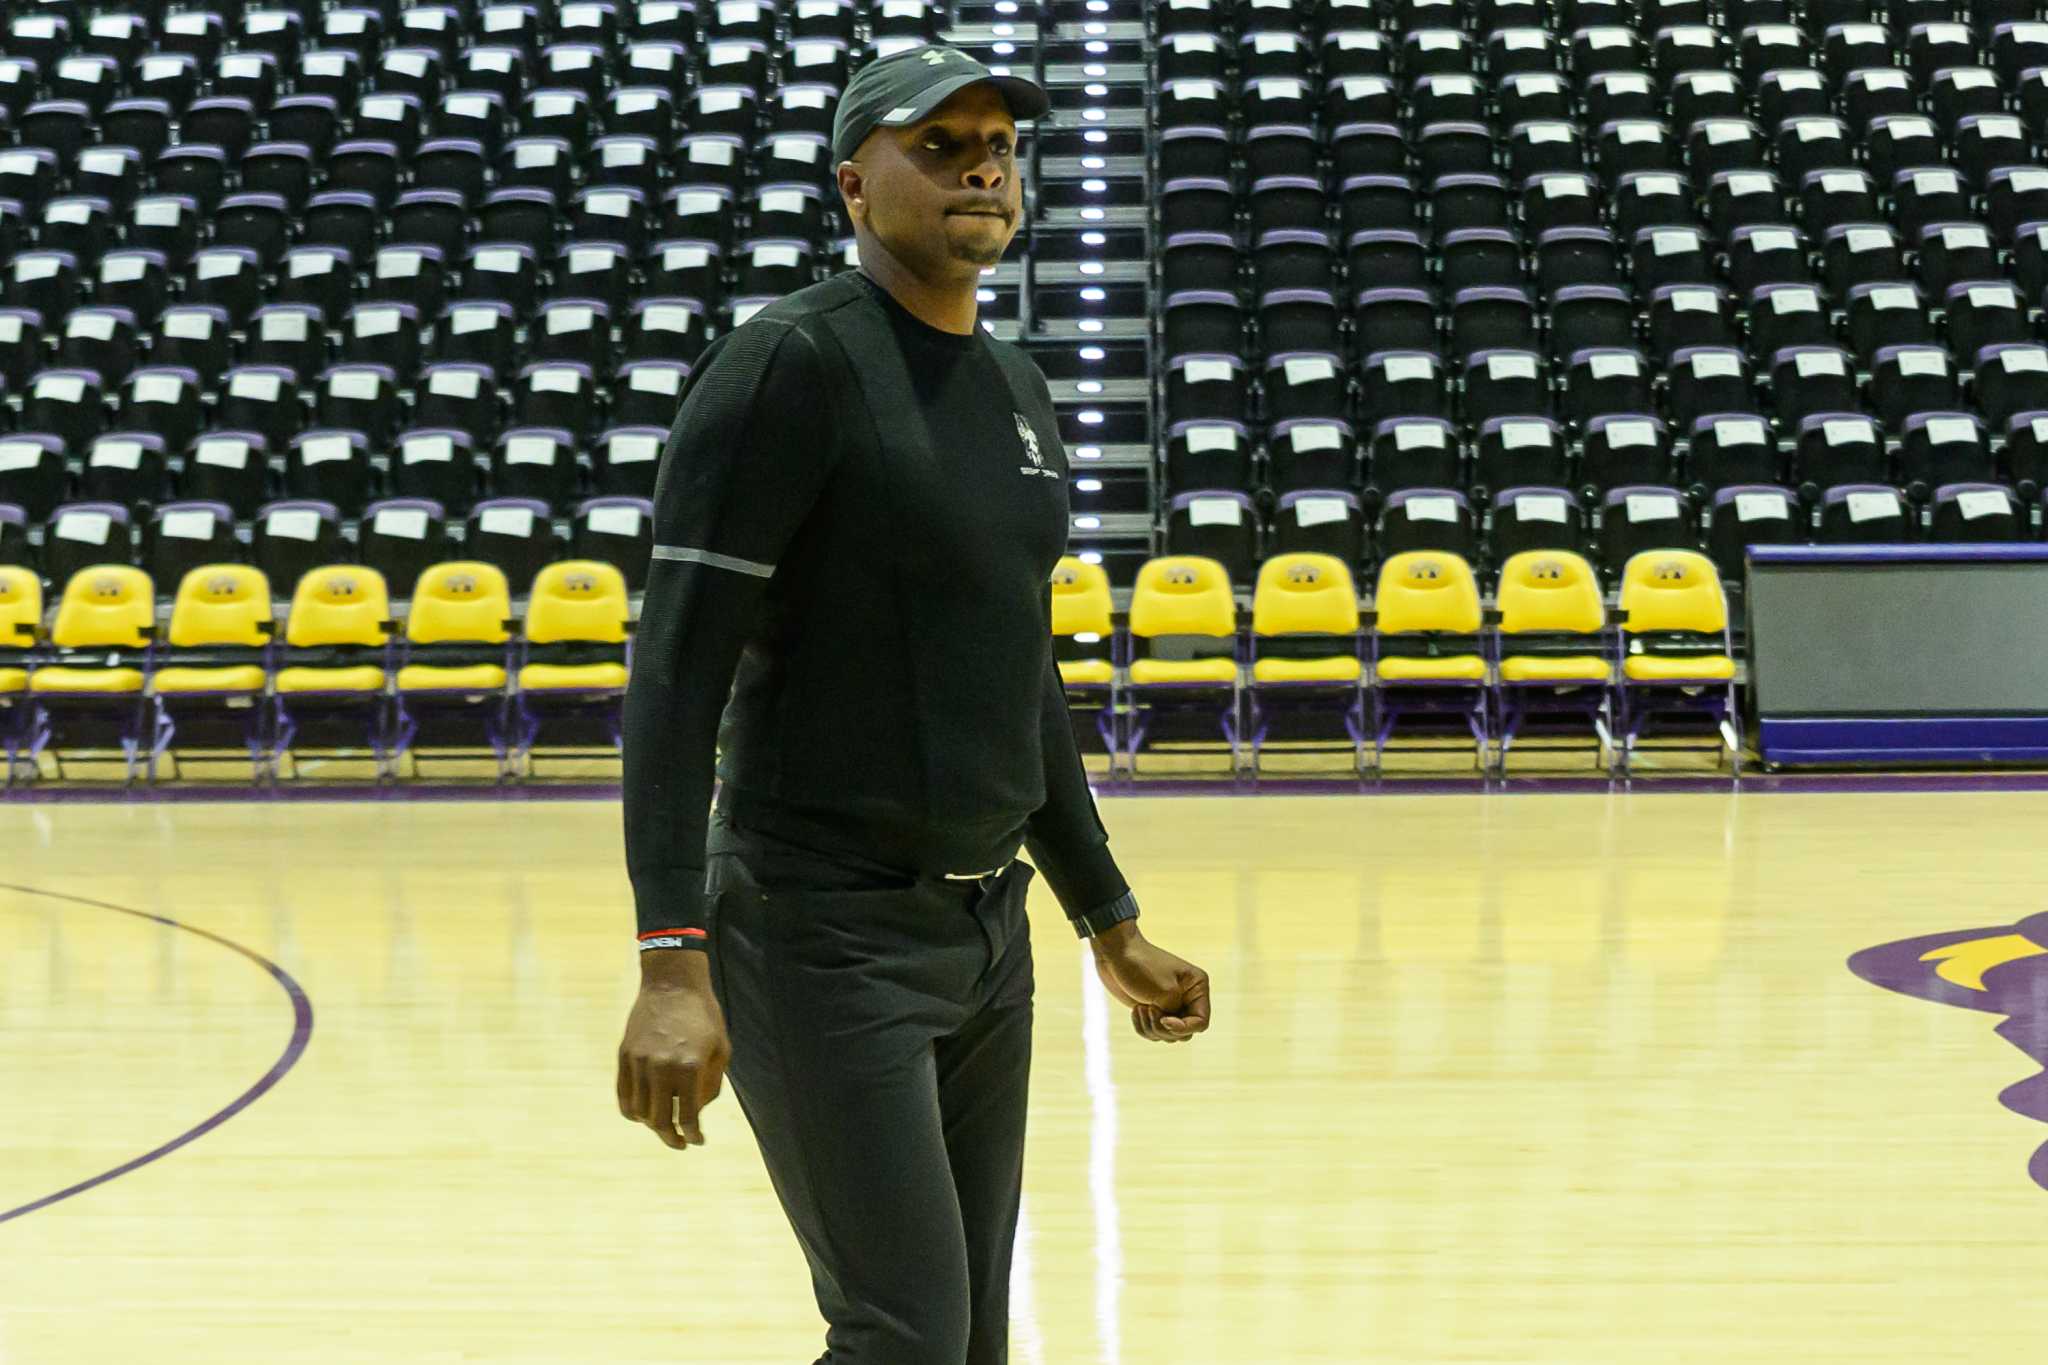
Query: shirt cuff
pixel 668 902
pixel 1091 923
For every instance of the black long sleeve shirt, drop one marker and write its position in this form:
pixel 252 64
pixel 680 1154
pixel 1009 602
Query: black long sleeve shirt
pixel 856 519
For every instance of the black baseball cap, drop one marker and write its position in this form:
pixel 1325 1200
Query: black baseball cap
pixel 905 86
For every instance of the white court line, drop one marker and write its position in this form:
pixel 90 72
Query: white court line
pixel 1109 1248
pixel 1023 1300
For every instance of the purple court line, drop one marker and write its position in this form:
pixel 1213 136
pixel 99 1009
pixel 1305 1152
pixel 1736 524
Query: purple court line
pixel 302 1030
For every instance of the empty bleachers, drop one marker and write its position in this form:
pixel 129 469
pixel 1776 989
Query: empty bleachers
pixel 260 254
pixel 1702 275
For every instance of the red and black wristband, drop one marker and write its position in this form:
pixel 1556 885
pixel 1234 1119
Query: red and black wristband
pixel 675 938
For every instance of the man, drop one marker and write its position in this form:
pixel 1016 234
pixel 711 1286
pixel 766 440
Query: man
pixel 856 520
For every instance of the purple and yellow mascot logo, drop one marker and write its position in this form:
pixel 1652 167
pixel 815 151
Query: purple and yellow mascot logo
pixel 2002 970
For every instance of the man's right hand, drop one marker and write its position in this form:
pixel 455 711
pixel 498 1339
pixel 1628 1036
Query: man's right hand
pixel 672 1061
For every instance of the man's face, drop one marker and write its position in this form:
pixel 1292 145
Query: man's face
pixel 941 195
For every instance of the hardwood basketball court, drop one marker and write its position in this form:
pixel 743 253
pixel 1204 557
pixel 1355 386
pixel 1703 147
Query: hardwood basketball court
pixel 1556 1078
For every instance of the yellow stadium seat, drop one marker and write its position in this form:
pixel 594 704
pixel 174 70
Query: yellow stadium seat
pixel 101 647
pixel 1554 654
pixel 21 623
pixel 1084 644
pixel 576 602
pixel 108 611
pixel 461 606
pixel 1305 595
pixel 1682 671
pixel 1676 652
pixel 1083 673
pixel 1427 651
pixel 458 654
pixel 1184 603
pixel 338 649
pixel 1083 625
pixel 1676 619
pixel 1306 646
pixel 215 673
pixel 223 608
pixel 1171 672
pixel 1432 597
pixel 571 677
pixel 243 678
pixel 1552 596
pixel 575 650
pixel 339 612
pixel 1186 596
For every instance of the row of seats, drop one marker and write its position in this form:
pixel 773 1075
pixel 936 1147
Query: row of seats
pixel 1977 315
pixel 1722 449
pixel 219 670
pixel 1291 246
pixel 1538 39
pixel 343 648
pixel 431 79
pixel 364 194
pixel 410 338
pixel 280 30
pixel 1608 153
pixel 1954 267
pixel 1592 55
pixel 1668 21
pixel 366 398
pixel 1424 647
pixel 64 142
pixel 1702 122
pixel 1903 384
pixel 1232 527
pixel 450 464
pixel 396 536
pixel 78 88
pixel 222 291
pixel 315 307
pixel 1179 16
pixel 263 252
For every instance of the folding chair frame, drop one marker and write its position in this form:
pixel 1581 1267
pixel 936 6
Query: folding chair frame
pixel 1470 701
pixel 413 708
pixel 1636 701
pixel 1189 698
pixel 1308 697
pixel 1516 702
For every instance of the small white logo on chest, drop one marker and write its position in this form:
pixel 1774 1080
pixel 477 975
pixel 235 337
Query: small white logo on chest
pixel 1031 452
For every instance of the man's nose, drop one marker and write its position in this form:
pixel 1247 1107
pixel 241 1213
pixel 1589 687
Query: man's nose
pixel 987 176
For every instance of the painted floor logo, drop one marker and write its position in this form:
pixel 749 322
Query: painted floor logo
pixel 2002 970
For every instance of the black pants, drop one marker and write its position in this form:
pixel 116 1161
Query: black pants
pixel 881 1050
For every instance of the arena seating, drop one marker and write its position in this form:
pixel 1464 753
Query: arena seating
pixel 462 669
pixel 1695 276
pixel 1429 660
pixel 261 255
pixel 301 284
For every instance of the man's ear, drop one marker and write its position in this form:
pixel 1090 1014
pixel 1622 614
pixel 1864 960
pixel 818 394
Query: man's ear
pixel 853 188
